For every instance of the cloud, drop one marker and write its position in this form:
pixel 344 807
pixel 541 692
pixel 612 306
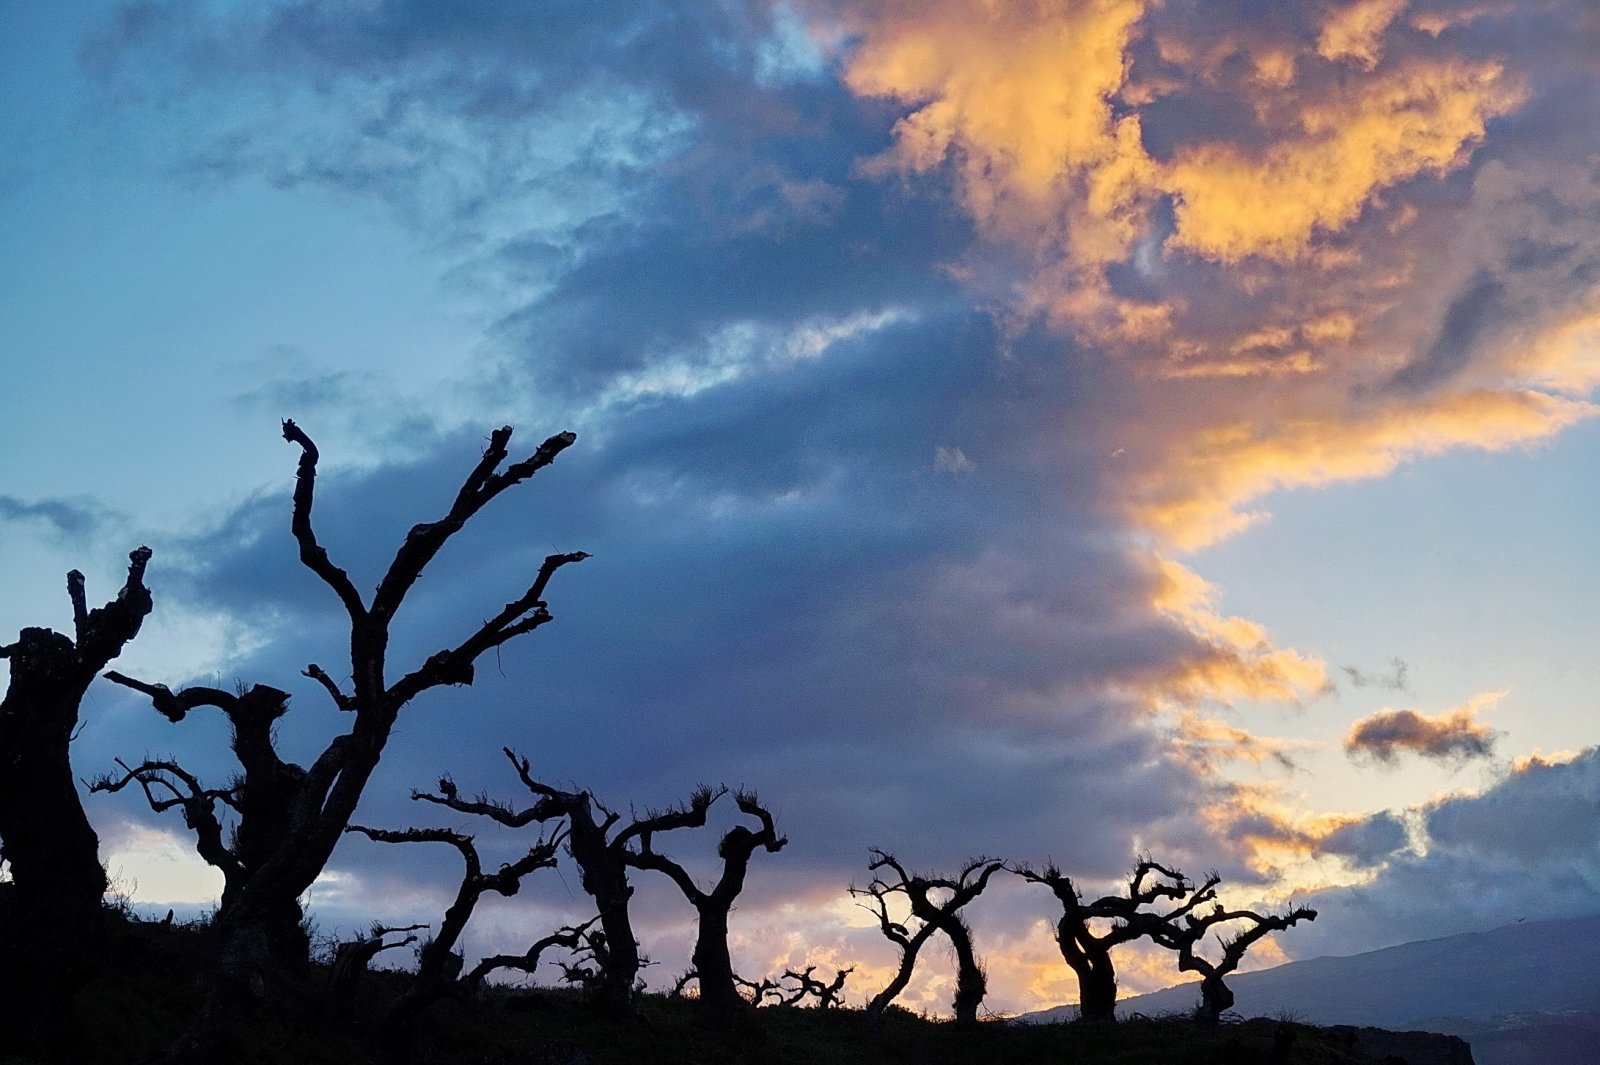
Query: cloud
pixel 1540 811
pixel 1453 736
pixel 1231 204
pixel 1355 31
pixel 73 518
pixel 1525 846
pixel 1365 841
pixel 1394 680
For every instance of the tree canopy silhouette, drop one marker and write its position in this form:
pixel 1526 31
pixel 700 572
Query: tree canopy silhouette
pixel 310 821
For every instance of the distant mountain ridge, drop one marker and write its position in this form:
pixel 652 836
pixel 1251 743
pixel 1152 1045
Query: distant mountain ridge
pixel 1518 985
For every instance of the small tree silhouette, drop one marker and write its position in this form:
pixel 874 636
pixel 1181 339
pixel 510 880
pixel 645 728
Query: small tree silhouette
pixel 713 966
pixel 933 915
pixel 802 985
pixel 438 965
pixel 1215 996
pixel 1088 952
pixel 50 921
pixel 263 799
pixel 603 859
pixel 352 958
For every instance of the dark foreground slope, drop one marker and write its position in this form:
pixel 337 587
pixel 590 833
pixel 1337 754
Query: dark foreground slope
pixel 155 981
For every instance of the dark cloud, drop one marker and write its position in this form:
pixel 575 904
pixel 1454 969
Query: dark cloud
pixel 1471 312
pixel 1539 812
pixel 1368 841
pixel 75 518
pixel 1395 679
pixel 1446 737
pixel 1529 845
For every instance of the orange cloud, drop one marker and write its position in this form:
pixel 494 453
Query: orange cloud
pixel 1232 203
pixel 1204 742
pixel 1196 497
pixel 1018 97
pixel 1243 662
pixel 1356 30
pixel 1537 759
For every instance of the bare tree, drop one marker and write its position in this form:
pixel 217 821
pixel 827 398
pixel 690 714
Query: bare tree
pixel 50 917
pixel 592 966
pixel 351 959
pixel 577 939
pixel 1087 951
pixel 790 989
pixel 438 964
pixel 602 857
pixel 713 966
pixel 802 985
pixel 758 990
pixel 935 903
pixel 333 784
pixel 1215 995
pixel 263 798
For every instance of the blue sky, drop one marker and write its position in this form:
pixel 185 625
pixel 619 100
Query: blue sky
pixel 1035 429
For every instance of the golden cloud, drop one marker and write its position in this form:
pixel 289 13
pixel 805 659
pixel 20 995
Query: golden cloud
pixel 1241 660
pixel 1195 498
pixel 1356 30
pixel 1204 742
pixel 1018 95
pixel 1232 203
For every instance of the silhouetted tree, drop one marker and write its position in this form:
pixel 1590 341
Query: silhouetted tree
pixel 263 798
pixel 602 859
pixel 713 967
pixel 592 966
pixel 351 959
pixel 933 913
pixel 803 985
pixel 1215 996
pixel 1088 952
pixel 577 939
pixel 50 918
pixel 333 784
pixel 758 990
pixel 790 989
pixel 439 966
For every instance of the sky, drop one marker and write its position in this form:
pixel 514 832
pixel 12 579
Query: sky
pixel 1052 429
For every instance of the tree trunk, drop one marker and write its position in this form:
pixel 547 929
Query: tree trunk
pixel 1097 991
pixel 908 963
pixel 719 998
pixel 56 931
pixel 605 878
pixel 1215 1000
pixel 970 982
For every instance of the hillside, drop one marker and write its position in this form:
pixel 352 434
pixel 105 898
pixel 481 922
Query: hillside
pixel 1530 988
pixel 157 976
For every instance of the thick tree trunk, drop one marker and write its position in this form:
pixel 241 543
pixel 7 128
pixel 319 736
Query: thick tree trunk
pixel 56 927
pixel 1215 1000
pixel 719 998
pixel 605 878
pixel 1097 991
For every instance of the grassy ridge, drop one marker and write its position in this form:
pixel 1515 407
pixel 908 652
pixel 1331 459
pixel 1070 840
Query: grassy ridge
pixel 155 982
